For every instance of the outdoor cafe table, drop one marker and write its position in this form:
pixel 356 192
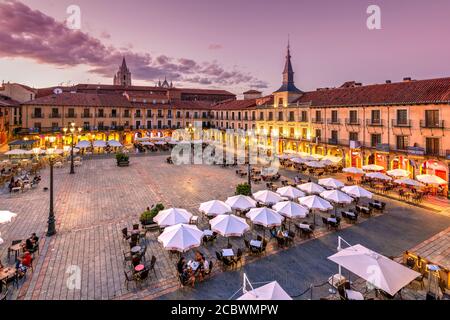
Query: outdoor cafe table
pixel 139 268
pixel 6 273
pixel 136 249
pixel 207 233
pixel 227 253
pixel 349 213
pixel 255 243
pixel 304 226
pixel 354 295
pixel 332 220
pixel 193 265
pixel 16 249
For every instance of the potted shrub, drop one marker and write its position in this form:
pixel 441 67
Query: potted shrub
pixel 243 189
pixel 148 215
pixel 122 159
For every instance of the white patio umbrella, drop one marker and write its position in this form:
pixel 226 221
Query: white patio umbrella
pixel 381 272
pixel 265 217
pixel 214 208
pixel 315 203
pixel 331 183
pixel 83 144
pixel 353 170
pixel 309 158
pixel 172 142
pixel 172 216
pixel 316 156
pixel 409 182
pixel 1 241
pixel 298 160
pixel 430 179
pixel 332 158
pixel 114 143
pixel 290 209
pixel 357 192
pixel 398 173
pixel 373 167
pixel 99 144
pixel 270 291
pixel 7 216
pixel 147 143
pixel 160 143
pixel 290 192
pixel 181 237
pixel 336 196
pixel 240 202
pixel 311 188
pixel 267 197
pixel 326 162
pixel 229 225
pixel 143 139
pixel 378 175
pixel 315 164
pixel 285 156
pixel 16 152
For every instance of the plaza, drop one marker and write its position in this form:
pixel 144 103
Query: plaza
pixel 95 204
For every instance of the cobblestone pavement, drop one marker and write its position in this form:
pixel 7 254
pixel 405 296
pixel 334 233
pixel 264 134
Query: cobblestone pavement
pixel 93 206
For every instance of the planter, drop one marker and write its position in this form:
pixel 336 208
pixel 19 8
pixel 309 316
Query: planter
pixel 123 163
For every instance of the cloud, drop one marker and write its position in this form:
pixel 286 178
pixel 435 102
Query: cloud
pixel 32 34
pixel 105 35
pixel 215 46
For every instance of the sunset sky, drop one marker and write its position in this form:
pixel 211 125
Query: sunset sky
pixel 232 44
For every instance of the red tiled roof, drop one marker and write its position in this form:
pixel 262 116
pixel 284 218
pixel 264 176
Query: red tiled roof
pixel 205 91
pixel 8 102
pixel 408 92
pixel 235 104
pixel 82 99
pixel 185 105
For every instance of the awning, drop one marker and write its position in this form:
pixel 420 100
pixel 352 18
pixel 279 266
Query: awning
pixel 22 142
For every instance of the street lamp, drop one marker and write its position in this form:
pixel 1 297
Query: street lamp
pixel 51 230
pixel 247 146
pixel 72 130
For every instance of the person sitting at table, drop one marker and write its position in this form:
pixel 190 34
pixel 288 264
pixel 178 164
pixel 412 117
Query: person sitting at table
pixel 12 184
pixel 34 238
pixel 203 268
pixel 23 264
pixel 28 245
pixel 181 265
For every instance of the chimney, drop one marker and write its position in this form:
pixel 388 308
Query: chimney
pixel 388 81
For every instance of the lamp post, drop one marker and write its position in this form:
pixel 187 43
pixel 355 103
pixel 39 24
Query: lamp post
pixel 51 229
pixel 72 131
pixel 247 146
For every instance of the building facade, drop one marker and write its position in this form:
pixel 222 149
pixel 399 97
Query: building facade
pixel 395 125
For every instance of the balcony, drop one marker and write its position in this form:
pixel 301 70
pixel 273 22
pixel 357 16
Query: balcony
pixel 86 115
pixel 127 115
pixel 160 115
pixel 352 122
pixel 100 115
pixel 401 123
pixel 55 116
pixel 37 116
pixel 439 124
pixel 333 141
pixel 70 115
pixel 291 119
pixel 138 115
pixel 317 120
pixel 113 115
pixel 374 122
pixel 334 121
pixel 304 120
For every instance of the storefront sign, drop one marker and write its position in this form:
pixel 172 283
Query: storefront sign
pixel 416 150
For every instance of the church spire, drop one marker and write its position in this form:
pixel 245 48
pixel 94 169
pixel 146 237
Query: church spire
pixel 288 74
pixel 124 64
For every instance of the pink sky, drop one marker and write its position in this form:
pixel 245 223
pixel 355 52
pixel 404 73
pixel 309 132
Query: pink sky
pixel 233 44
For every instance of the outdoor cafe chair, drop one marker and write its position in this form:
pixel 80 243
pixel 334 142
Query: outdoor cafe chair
pixel 152 264
pixel 129 278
